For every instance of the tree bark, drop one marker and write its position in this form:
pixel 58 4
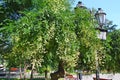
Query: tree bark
pixel 60 73
pixel 32 71
pixel 9 74
pixel 25 68
pixel 46 74
pixel 20 72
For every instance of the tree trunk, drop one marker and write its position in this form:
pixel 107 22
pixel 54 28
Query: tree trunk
pixel 21 75
pixel 60 73
pixel 32 71
pixel 25 68
pixel 9 74
pixel 46 74
pixel 20 72
pixel 31 76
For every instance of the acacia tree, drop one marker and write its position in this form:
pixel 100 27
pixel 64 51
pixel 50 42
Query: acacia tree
pixel 33 34
pixel 114 51
pixel 52 34
pixel 27 40
pixel 87 37
pixel 9 9
pixel 110 26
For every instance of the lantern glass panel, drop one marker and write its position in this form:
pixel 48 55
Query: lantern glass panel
pixel 100 16
pixel 101 19
pixel 102 35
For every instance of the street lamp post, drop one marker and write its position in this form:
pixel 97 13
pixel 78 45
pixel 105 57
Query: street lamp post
pixel 80 5
pixel 100 17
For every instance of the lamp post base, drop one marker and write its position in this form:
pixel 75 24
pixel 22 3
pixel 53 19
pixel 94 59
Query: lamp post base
pixel 97 75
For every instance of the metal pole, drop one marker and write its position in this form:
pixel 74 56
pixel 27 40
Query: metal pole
pixel 97 68
pixel 97 75
pixel 80 75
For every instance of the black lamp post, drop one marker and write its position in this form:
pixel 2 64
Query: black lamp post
pixel 80 5
pixel 100 17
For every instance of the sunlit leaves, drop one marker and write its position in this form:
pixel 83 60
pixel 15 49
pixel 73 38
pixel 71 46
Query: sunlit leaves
pixel 114 50
pixel 86 35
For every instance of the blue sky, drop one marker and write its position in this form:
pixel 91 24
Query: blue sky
pixel 110 7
